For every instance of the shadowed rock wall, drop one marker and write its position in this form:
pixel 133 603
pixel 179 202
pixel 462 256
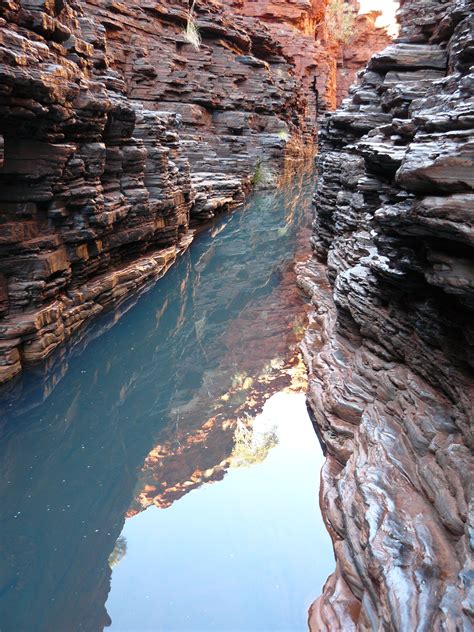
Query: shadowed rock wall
pixel 390 345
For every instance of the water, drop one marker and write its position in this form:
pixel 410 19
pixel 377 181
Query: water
pixel 160 472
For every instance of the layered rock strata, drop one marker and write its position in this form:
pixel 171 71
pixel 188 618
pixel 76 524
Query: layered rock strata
pixel 326 64
pixel 390 345
pixel 352 56
pixel 116 133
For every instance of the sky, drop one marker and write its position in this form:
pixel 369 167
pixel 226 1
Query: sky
pixel 249 552
pixel 388 8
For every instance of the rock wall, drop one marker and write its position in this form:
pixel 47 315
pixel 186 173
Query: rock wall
pixel 115 134
pixel 366 40
pixel 326 66
pixel 339 60
pixel 390 344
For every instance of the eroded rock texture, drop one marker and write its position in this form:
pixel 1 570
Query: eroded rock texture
pixel 390 345
pixel 326 65
pixel 114 132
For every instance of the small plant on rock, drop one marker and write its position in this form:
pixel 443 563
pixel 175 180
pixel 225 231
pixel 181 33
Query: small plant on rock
pixel 260 175
pixel 340 20
pixel 284 135
pixel 192 34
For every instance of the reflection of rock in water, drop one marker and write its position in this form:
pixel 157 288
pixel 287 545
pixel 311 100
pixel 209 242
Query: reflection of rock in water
pixel 248 363
pixel 250 445
pixel 229 438
pixel 123 397
pixel 119 552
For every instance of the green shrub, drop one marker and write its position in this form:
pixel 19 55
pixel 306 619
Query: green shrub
pixel 260 175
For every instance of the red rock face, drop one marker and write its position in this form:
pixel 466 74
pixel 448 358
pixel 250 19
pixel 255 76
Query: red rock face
pixel 389 347
pixel 367 40
pixel 326 66
pixel 294 23
pixel 337 71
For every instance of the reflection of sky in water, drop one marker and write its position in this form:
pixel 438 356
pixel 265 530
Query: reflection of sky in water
pixel 141 409
pixel 247 553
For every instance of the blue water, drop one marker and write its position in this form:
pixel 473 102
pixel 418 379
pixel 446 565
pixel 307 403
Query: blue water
pixel 119 452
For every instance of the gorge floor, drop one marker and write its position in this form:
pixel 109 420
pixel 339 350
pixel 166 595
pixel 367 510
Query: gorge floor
pixel 108 450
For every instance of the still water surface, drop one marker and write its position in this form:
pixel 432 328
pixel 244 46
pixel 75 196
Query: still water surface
pixel 161 473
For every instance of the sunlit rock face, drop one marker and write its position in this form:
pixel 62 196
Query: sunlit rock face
pixel 369 36
pixel 389 348
pixel 326 65
pixel 295 24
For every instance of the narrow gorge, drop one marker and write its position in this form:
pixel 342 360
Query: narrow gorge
pixel 118 134
pixel 236 244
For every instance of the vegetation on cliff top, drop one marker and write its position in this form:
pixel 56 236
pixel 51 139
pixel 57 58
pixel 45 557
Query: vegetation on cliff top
pixel 340 20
